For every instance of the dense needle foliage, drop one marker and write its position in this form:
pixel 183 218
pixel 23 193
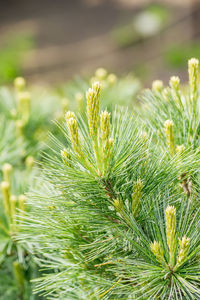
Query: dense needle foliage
pixel 17 148
pixel 115 214
pixel 26 117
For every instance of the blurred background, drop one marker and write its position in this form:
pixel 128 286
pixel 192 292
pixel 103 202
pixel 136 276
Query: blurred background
pixel 52 41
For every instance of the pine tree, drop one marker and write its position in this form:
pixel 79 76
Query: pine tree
pixel 25 116
pixel 116 212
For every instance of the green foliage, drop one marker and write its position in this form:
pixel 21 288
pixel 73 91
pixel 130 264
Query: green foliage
pixel 113 211
pixel 121 91
pixel 32 114
pixel 8 137
pixel 16 266
pixel 178 104
pixel 23 127
pixel 26 116
pixel 116 210
pixel 11 54
pixel 145 23
pixel 176 56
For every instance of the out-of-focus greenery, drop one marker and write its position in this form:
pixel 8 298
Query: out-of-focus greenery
pixel 25 118
pixel 176 56
pixel 11 56
pixel 17 267
pixel 121 91
pixel 146 23
pixel 43 107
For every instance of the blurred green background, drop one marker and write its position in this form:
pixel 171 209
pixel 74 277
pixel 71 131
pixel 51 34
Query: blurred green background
pixel 53 41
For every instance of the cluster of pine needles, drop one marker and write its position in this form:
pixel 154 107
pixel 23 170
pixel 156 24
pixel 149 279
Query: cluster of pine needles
pixel 113 211
pixel 26 118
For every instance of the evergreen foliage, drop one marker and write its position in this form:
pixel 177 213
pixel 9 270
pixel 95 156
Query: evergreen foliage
pixel 9 137
pixel 25 118
pixel 115 90
pixel 32 112
pixel 16 266
pixel 115 213
pixel 20 121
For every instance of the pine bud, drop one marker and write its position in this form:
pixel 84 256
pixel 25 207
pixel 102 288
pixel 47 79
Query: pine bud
pixel 174 82
pixel 105 126
pixel 73 130
pixel 180 149
pixel 157 251
pixel 29 162
pixel 136 196
pixel 19 126
pixel 69 114
pixel 157 85
pixel 24 105
pixel 170 215
pixel 92 96
pixel 66 157
pixel 110 146
pixel 107 153
pixel 193 70
pixel 22 201
pixel 5 187
pixel 175 87
pixel 101 74
pixel 112 78
pixel 166 93
pixel 13 203
pixel 19 84
pixel 119 205
pixel 7 169
pixel 169 133
pixel 184 245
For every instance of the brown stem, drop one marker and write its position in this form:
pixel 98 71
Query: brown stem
pixel 186 184
pixel 109 189
pixel 112 195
